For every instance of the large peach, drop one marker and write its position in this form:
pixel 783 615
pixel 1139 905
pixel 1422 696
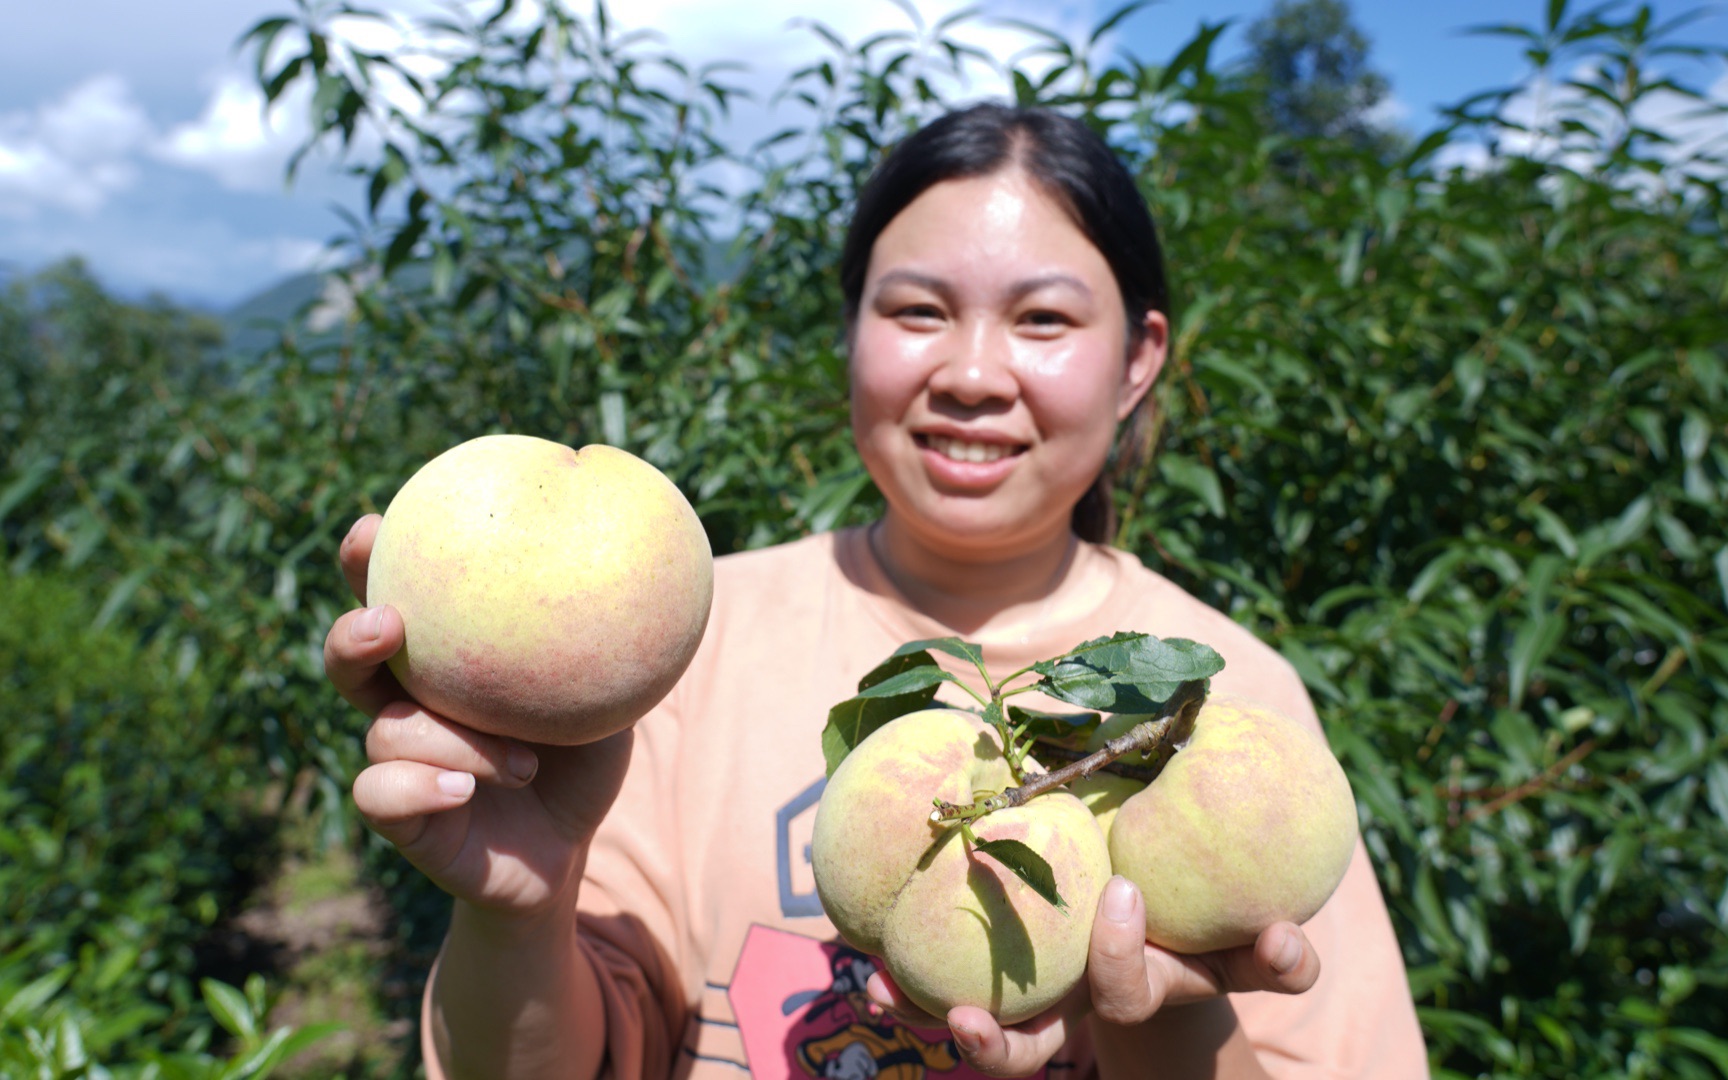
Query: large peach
pixel 1251 823
pixel 549 594
pixel 953 925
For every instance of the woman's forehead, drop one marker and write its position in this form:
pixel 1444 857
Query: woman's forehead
pixel 1003 228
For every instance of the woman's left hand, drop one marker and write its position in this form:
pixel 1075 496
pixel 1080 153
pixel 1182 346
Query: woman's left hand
pixel 1127 981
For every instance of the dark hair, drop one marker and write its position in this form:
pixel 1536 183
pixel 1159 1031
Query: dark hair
pixel 1079 170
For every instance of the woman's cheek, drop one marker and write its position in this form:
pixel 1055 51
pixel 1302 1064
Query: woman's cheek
pixel 887 372
pixel 1071 389
pixel 1044 360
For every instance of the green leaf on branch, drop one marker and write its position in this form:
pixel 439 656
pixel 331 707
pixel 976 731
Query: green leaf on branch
pixel 1126 672
pixel 904 683
pixel 953 646
pixel 1028 866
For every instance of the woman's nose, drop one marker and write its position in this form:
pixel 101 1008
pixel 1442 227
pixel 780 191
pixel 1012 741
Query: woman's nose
pixel 975 368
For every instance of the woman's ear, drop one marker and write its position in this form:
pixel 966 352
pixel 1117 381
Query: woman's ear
pixel 1145 360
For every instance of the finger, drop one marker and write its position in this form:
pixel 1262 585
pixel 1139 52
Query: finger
pixel 1284 961
pixel 398 798
pixel 404 731
pixel 355 553
pixel 1281 960
pixel 887 995
pixel 1116 969
pixel 994 1050
pixel 355 651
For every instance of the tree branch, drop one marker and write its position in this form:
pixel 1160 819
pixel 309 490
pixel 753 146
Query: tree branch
pixel 1157 736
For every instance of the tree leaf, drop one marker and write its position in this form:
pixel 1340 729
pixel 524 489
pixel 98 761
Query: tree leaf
pixel 1126 672
pixel 1193 477
pixel 228 1005
pixel 904 683
pixel 952 646
pixel 1028 866
pixel 1535 639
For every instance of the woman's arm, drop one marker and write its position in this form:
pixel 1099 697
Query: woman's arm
pixel 505 828
pixel 509 998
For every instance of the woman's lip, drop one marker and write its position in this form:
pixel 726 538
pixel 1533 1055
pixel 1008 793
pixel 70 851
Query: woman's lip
pixel 966 475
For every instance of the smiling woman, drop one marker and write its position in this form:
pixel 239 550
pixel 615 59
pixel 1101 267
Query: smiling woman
pixel 1005 310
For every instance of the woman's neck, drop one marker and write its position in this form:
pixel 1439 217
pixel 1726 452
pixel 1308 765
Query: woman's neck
pixel 991 596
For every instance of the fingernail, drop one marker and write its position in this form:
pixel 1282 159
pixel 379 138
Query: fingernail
pixel 369 625
pixel 970 1041
pixel 1119 900
pixel 1287 955
pixel 522 762
pixel 457 785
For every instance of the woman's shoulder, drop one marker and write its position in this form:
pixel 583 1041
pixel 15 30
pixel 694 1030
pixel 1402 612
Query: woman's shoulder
pixel 1252 667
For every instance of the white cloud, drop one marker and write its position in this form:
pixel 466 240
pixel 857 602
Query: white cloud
pixel 71 154
pixel 1695 132
pixel 296 254
pixel 1390 111
pixel 237 140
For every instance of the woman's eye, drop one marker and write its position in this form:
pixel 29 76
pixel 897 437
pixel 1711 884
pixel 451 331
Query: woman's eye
pixel 1045 320
pixel 919 312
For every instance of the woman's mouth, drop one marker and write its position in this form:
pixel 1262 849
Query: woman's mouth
pixel 973 453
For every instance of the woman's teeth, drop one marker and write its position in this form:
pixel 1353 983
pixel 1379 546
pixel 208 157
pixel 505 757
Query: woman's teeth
pixel 977 453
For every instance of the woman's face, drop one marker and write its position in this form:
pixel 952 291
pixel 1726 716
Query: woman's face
pixel 990 365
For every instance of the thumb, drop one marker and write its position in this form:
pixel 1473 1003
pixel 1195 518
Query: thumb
pixel 1116 965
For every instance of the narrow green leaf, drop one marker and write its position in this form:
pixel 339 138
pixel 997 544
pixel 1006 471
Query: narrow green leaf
pixel 1028 866
pixel 825 505
pixel 853 720
pixel 910 681
pixel 952 646
pixel 614 424
pixel 29 1000
pixel 1705 1045
pixel 1438 570
pixel 21 488
pixel 1535 639
pixel 1195 478
pixel 121 595
pixel 228 1005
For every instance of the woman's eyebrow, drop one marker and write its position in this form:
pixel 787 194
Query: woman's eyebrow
pixel 913 277
pixel 1016 291
pixel 1027 286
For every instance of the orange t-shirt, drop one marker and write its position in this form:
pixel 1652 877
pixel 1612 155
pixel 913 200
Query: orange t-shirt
pixel 699 911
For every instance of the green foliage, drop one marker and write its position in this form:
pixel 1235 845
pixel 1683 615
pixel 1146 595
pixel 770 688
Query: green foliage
pixel 48 1036
pixel 124 841
pixel 1454 439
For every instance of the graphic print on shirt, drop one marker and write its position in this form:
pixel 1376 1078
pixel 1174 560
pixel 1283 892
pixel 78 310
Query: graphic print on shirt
pixel 802 1012
pixel 792 827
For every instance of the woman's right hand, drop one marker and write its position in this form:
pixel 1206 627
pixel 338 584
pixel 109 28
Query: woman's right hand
pixel 494 822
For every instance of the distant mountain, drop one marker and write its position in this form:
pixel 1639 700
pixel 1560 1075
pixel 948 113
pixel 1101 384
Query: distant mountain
pixel 253 325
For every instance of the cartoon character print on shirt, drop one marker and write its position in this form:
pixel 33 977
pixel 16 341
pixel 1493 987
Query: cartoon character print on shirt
pixel 802 1012
pixel 868 1046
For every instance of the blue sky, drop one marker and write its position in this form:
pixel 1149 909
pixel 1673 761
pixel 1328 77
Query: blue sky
pixel 129 134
